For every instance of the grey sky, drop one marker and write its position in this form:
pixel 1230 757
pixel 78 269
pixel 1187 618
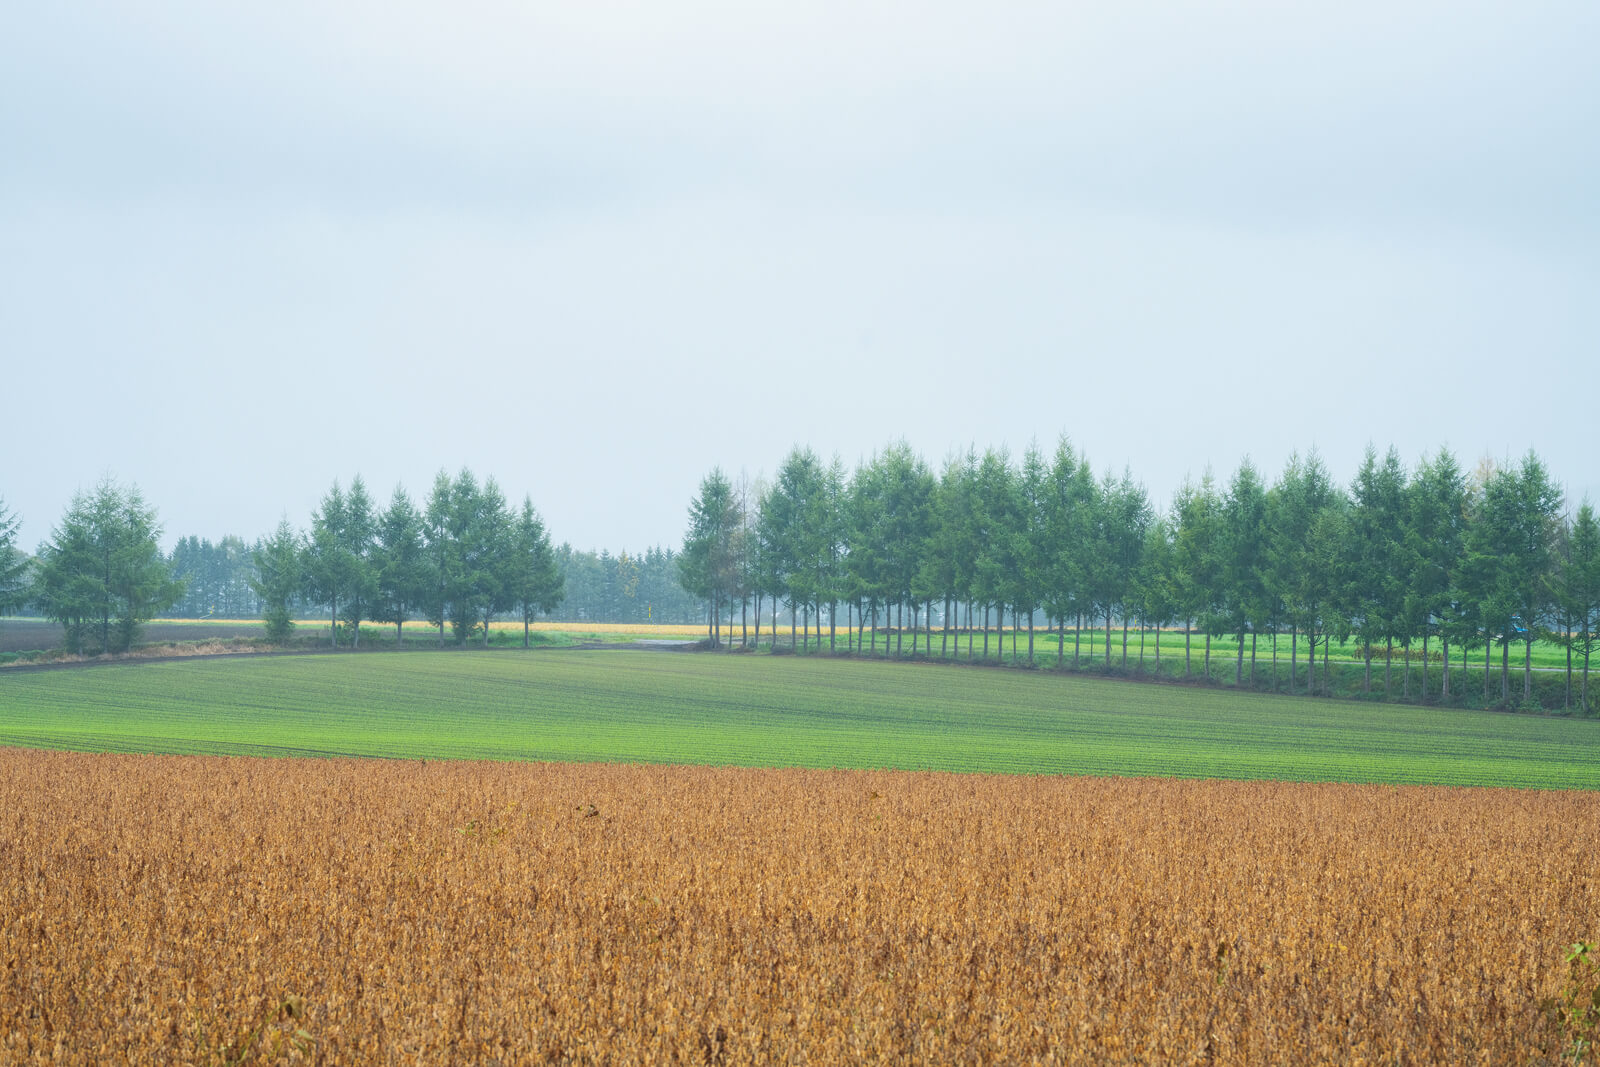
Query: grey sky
pixel 595 248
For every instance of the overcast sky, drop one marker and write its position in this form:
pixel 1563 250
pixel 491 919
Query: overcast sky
pixel 595 248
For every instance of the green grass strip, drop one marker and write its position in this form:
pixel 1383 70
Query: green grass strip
pixel 773 711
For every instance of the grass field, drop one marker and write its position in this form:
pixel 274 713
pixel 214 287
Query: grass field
pixel 660 707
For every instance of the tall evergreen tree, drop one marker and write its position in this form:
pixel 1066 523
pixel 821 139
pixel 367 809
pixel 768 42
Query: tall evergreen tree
pixel 102 573
pixel 1197 547
pixel 1375 598
pixel 13 564
pixel 399 564
pixel 1580 592
pixel 329 565
pixel 1304 533
pixel 360 537
pixel 708 566
pixel 1067 517
pixel 1245 601
pixel 1435 523
pixel 1126 510
pixel 278 580
pixel 536 584
pixel 1000 540
pixel 908 489
pixel 1509 557
pixel 442 551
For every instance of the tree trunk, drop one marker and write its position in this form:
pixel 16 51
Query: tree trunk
pixel 794 621
pixel 914 630
pixel 1566 702
pixel 1444 668
pixel 1388 666
pixel 833 611
pixel 1311 663
pixel 1208 657
pixel 1505 671
pixel 1124 641
pixel 1141 649
pixel 1424 666
pixel 525 627
pixel 744 623
pixel 1294 655
pixel 1327 675
pixel 1527 667
pixel 1583 693
pixel 1188 637
pixel 986 633
pixel 1444 674
pixel 1030 638
pixel 1108 636
pixel 1488 663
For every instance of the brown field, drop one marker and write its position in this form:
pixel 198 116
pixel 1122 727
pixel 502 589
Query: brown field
pixel 182 910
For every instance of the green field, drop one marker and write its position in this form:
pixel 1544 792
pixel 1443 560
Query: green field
pixel 772 711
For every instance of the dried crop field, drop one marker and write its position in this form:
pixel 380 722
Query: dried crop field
pixel 227 909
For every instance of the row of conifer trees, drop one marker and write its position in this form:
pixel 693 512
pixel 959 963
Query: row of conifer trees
pixel 1425 562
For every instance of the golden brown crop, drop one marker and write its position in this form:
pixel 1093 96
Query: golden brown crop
pixel 159 909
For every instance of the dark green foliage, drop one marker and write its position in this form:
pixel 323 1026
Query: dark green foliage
pixel 13 564
pixel 709 566
pixel 399 563
pixel 102 573
pixel 278 580
pixel 533 577
pixel 1417 565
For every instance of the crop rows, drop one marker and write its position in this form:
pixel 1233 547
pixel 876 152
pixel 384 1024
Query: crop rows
pixel 211 909
pixel 773 711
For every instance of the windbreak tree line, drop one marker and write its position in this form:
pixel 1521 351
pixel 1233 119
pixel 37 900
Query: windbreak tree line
pixel 1420 567
pixel 599 586
pixel 461 559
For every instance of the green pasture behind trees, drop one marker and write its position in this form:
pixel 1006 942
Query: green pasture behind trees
pixel 772 711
